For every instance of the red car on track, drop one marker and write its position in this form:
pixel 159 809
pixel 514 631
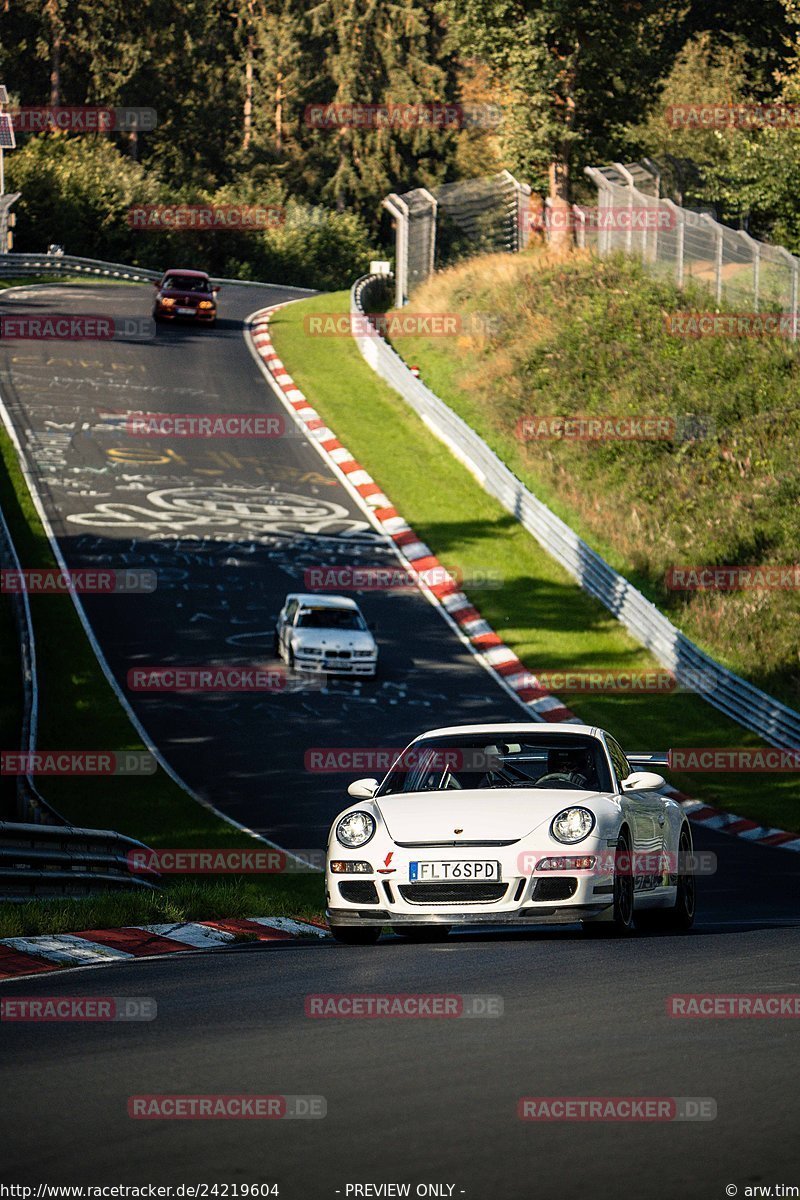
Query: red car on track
pixel 186 296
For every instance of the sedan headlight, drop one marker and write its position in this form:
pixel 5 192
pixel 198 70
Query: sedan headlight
pixel 572 825
pixel 355 829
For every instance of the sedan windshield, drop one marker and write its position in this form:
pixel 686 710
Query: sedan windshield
pixel 186 283
pixel 573 762
pixel 329 618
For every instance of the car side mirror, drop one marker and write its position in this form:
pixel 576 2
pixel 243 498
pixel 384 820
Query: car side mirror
pixel 215 290
pixel 363 789
pixel 640 781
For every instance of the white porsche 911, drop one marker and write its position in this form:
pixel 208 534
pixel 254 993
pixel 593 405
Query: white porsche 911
pixel 509 824
pixel 325 633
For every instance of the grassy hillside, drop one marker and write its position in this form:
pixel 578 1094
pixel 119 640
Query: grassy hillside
pixel 583 337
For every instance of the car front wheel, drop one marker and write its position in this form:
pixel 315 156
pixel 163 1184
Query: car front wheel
pixel 622 920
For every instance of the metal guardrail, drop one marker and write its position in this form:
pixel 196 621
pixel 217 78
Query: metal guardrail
pixel 775 722
pixel 67 264
pixel 43 860
pixel 14 264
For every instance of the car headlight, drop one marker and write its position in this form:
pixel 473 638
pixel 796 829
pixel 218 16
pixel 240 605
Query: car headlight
pixel 572 825
pixel 363 654
pixel 167 301
pixel 309 650
pixel 355 829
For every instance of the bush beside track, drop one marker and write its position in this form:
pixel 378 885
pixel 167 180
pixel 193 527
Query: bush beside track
pixel 538 610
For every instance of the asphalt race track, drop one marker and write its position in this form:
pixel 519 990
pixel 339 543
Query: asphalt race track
pixel 433 1100
pixel 422 1101
pixel 229 526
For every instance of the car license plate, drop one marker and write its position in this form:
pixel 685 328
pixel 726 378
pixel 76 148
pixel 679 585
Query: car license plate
pixel 446 872
pixel 185 312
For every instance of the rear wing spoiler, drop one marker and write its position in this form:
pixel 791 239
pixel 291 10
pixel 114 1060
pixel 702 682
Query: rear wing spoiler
pixel 649 758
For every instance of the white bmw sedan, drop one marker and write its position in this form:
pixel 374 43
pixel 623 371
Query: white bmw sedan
pixel 509 824
pixel 325 634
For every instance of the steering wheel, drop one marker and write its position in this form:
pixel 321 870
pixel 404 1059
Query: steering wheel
pixel 561 779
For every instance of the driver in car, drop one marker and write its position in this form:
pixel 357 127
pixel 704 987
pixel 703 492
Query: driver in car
pixel 577 766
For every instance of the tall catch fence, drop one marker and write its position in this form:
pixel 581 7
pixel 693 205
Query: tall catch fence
pixel 682 245
pixel 473 216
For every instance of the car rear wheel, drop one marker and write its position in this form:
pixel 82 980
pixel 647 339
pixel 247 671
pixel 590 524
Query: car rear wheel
pixel 622 921
pixel 422 933
pixel 356 935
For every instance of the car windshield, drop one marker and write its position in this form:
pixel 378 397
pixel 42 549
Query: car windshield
pixel 186 283
pixel 572 762
pixel 329 618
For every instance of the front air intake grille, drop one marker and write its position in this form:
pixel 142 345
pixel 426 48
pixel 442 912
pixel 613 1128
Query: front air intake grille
pixel 359 891
pixel 453 893
pixel 554 889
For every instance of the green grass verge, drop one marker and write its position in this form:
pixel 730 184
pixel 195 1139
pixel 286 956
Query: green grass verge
pixel 191 899
pixel 79 711
pixel 538 610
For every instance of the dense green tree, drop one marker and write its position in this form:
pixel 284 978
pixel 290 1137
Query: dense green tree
pixel 574 72
pixel 381 52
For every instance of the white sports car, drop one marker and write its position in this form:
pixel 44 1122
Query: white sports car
pixel 508 824
pixel 325 633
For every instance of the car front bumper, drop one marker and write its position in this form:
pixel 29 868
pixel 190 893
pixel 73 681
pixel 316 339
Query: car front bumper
pixel 567 913
pixel 336 666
